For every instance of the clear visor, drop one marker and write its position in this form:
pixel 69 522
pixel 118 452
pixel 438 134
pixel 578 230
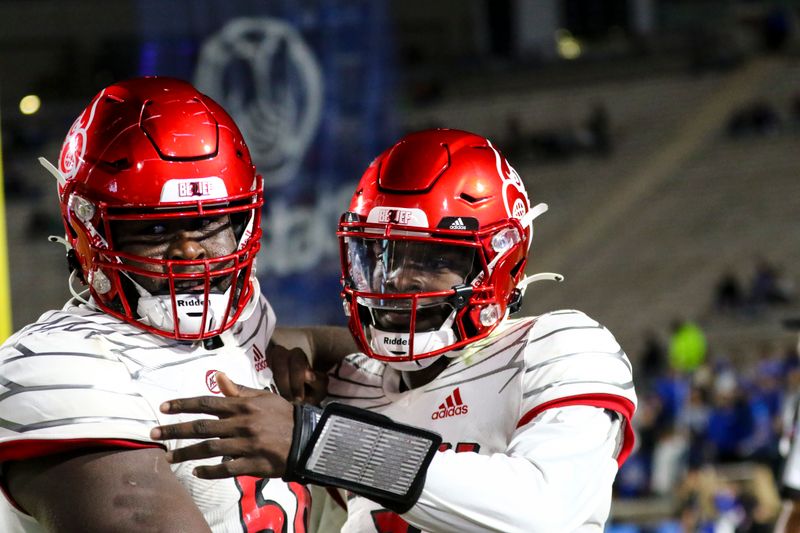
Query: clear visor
pixel 405 273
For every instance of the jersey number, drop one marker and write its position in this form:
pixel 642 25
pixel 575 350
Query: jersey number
pixel 388 522
pixel 267 516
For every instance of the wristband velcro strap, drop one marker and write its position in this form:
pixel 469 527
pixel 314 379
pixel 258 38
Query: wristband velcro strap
pixel 365 453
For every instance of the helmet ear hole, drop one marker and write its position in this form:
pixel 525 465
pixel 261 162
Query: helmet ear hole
pixel 515 271
pixel 75 266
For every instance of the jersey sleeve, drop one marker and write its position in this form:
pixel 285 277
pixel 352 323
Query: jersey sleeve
pixel 60 392
pixel 571 359
pixel 573 431
pixel 790 481
pixel 556 475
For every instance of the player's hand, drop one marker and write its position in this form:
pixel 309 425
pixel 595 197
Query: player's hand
pixel 253 433
pixel 294 377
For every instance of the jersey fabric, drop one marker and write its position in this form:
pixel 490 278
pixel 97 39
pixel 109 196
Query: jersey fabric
pixel 79 378
pixel 535 420
pixel 790 448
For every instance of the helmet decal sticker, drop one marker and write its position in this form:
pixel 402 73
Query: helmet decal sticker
pixel 177 190
pixel 398 215
pixel 518 206
pixel 75 146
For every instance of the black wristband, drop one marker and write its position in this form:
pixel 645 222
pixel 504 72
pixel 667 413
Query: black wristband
pixel 305 421
pixel 363 452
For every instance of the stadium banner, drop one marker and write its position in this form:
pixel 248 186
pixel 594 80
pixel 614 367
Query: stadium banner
pixel 309 83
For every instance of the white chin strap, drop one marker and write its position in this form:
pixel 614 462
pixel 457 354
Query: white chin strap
pixel 394 344
pixel 156 311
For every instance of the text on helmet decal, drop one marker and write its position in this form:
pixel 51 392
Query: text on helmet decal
pixel 398 215
pixel 180 190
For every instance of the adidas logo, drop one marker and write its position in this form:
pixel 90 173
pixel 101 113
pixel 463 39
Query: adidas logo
pixel 458 224
pixel 451 406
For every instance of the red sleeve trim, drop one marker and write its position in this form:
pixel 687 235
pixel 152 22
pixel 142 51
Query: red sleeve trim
pixel 615 403
pixel 19 450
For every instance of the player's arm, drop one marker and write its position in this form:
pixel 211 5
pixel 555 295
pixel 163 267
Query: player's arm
pixel 789 520
pixel 112 490
pixel 300 358
pixel 557 470
pixel 324 346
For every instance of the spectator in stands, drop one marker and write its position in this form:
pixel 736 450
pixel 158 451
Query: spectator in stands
pixel 768 286
pixel 730 422
pixel 516 144
pixel 728 294
pixel 669 462
pixel 694 420
pixel 599 126
pixel 653 360
pixel 687 346
pixel 756 118
pixel 776 29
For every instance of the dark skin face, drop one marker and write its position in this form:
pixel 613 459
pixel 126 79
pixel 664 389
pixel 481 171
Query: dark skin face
pixel 421 267
pixel 176 239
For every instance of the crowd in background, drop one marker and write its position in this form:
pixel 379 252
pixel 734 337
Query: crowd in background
pixel 712 429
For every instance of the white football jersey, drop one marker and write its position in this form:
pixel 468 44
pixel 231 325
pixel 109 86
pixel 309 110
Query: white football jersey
pixel 544 402
pixel 790 446
pixel 79 377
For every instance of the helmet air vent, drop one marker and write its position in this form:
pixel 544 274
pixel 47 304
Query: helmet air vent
pixel 472 199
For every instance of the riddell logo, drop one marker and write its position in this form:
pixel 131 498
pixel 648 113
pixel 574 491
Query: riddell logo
pixel 451 406
pixel 458 224
pixel 190 303
pixel 397 341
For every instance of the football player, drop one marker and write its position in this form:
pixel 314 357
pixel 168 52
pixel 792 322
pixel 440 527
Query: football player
pixel 789 519
pixel 789 446
pixel 465 418
pixel 161 206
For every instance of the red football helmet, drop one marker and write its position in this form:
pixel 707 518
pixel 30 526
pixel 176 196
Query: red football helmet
pixel 434 247
pixel 155 149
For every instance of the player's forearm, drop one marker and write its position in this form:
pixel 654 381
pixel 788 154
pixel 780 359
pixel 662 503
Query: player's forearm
pixel 554 479
pixel 325 346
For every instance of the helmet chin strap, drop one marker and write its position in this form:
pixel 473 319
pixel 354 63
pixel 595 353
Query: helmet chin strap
pixel 156 310
pixel 389 343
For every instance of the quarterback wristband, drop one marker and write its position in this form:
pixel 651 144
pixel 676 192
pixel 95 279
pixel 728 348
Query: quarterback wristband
pixel 361 451
pixel 305 421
